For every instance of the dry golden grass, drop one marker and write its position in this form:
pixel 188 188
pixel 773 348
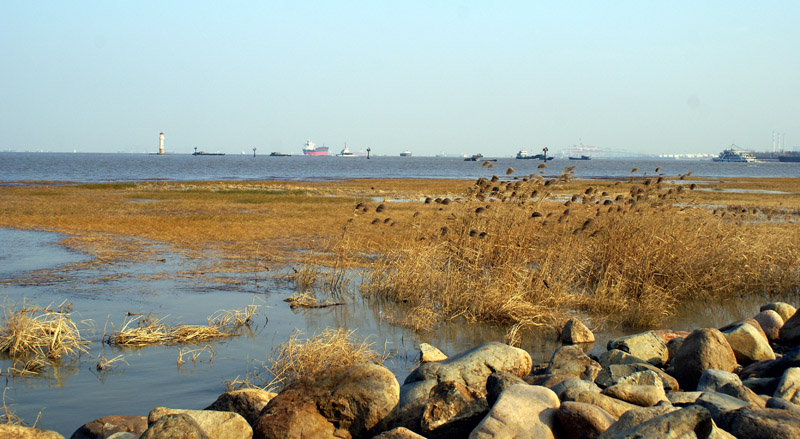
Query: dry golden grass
pixel 194 355
pixel 40 333
pixel 146 330
pixel 299 357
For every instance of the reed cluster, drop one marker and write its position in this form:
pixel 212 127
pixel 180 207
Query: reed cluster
pixel 305 357
pixel 35 337
pixel 523 252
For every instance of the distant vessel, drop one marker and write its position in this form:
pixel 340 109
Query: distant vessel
pixel 347 153
pixel 311 149
pixel 789 156
pixel 279 154
pixel 474 158
pixel 522 154
pixel 196 152
pixel 734 155
pixel 582 157
pixel 405 153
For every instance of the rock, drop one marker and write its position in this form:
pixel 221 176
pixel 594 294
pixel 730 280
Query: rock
pixel 785 310
pixel 574 332
pixel 521 412
pixel 728 383
pixel 20 432
pixel 470 368
pixel 175 426
pixel 758 423
pixel 703 349
pixel 452 410
pixel 497 382
pixel 637 416
pixel 790 331
pixel 218 425
pixel 574 383
pixel 616 356
pixel 346 402
pixel 613 406
pixel 772 368
pixel 674 345
pixel 473 367
pixel 645 396
pixel 547 380
pixel 648 346
pixel 771 323
pixel 123 435
pixel 789 386
pixel 762 386
pixel 399 433
pixel 752 322
pixel 692 421
pixel 579 420
pixel 246 402
pixel 667 335
pixel 106 426
pixel 748 343
pixel 634 374
pixel 570 360
pixel 428 353
pixel 718 403
pixel 683 399
pixel 780 403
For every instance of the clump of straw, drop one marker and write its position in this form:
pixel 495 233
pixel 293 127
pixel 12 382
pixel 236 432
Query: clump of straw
pixel 38 332
pixel 305 358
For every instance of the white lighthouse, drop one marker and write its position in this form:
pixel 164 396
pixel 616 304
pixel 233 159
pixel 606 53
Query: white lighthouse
pixel 161 144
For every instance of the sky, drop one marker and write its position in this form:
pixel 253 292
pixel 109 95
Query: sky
pixel 452 77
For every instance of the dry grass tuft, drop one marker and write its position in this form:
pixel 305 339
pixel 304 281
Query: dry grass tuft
pixel 104 363
pixel 299 358
pixel 304 300
pixel 39 332
pixel 193 355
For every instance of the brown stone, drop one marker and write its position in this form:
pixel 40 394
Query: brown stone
pixel 574 332
pixel 104 427
pixel 702 349
pixel 246 402
pixel 580 420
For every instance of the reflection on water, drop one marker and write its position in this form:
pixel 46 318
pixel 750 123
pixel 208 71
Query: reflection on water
pixel 101 297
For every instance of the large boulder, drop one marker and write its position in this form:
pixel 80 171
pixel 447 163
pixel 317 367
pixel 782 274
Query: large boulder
pixel 702 349
pixel 246 402
pixel 521 412
pixel 713 380
pixel 470 368
pixel 692 421
pixel 789 386
pixel 571 361
pixel 635 373
pixel 790 331
pixel 452 410
pixel 104 427
pixel 218 425
pixel 771 323
pixel 637 416
pixel 761 423
pixel 580 420
pixel 20 432
pixel 645 396
pixel 748 343
pixel 785 310
pixel 175 426
pixel 575 332
pixel 718 403
pixel 613 406
pixel 574 383
pixel 648 346
pixel 346 402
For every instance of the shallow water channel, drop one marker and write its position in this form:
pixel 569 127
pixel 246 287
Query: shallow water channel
pixel 35 269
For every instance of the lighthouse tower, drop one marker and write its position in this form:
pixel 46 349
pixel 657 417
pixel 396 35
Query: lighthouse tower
pixel 161 144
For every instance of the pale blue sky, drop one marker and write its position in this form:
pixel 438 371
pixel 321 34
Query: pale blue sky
pixel 453 77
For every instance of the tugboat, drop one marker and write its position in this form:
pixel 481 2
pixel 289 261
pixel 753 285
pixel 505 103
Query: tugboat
pixel 474 158
pixel 522 154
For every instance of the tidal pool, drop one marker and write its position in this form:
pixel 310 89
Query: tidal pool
pixel 37 270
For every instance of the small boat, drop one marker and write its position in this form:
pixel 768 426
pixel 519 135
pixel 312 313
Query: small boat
pixel 582 157
pixel 734 155
pixel 196 152
pixel 279 154
pixel 405 153
pixel 347 153
pixel 474 158
pixel 522 154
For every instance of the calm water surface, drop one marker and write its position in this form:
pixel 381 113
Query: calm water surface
pixel 34 268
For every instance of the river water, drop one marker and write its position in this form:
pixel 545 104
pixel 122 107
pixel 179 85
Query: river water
pixel 34 268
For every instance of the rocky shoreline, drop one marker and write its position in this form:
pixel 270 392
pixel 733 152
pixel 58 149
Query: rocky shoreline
pixel 739 381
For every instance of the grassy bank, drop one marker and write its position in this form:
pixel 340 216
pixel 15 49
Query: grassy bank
pixel 517 250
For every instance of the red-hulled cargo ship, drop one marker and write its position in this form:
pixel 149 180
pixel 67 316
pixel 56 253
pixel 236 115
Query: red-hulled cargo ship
pixel 311 149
